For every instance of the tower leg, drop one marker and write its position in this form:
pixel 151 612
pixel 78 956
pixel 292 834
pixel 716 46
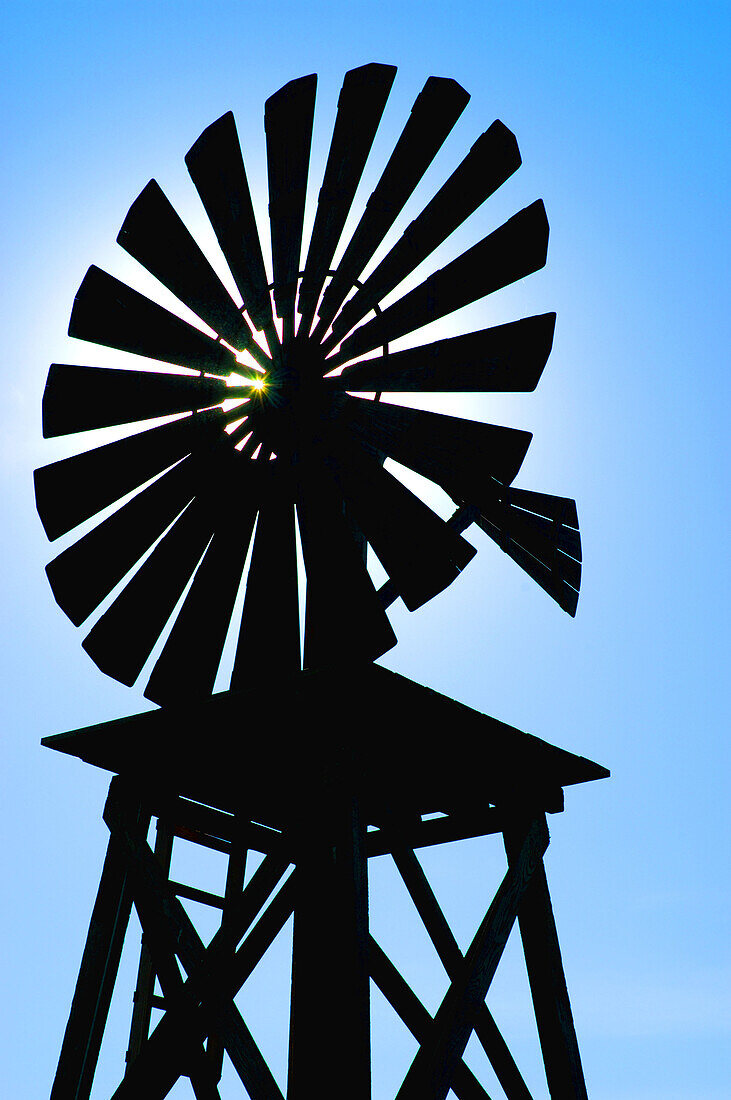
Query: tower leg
pixel 330 1006
pixel 554 1020
pixel 97 975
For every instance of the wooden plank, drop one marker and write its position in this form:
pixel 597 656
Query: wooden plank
pixel 330 1006
pixel 210 823
pixel 193 893
pixel 438 830
pixel 407 1005
pixel 235 876
pixel 145 986
pixel 209 827
pixel 486 1030
pixel 554 1019
pixel 431 1073
pixel 97 974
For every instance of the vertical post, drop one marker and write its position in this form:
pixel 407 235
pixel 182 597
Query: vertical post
pixel 98 973
pixel 554 1020
pixel 235 876
pixel 330 1005
pixel 142 1008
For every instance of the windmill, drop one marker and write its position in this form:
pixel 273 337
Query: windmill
pixel 261 436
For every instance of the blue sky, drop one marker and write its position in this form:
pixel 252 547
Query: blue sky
pixel 621 114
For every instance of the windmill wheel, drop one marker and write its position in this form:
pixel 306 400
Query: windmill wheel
pixel 234 468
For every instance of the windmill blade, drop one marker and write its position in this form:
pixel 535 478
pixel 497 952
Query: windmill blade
pixel 544 542
pixel 76 488
pixel 156 236
pixel 186 669
pixel 121 640
pixel 490 162
pixel 437 108
pixel 79 399
pixel 288 118
pixel 360 108
pixel 420 553
pixel 269 638
pixel 216 166
pixel 344 619
pixel 506 358
pixel 84 574
pixel 460 455
pixel 513 251
pixel 107 311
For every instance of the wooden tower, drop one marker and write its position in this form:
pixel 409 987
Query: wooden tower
pixel 322 760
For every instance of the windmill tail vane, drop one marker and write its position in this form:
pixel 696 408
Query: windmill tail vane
pixel 261 459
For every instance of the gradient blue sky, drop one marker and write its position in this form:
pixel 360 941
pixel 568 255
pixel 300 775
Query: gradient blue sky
pixel 621 113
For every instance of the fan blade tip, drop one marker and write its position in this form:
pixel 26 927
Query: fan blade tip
pixel 469 551
pixel 446 82
pixel 572 606
pixel 375 68
pixel 307 83
pixel 38 491
pixel 92 276
pixel 226 119
pixel 76 617
pixel 539 209
pixel 105 665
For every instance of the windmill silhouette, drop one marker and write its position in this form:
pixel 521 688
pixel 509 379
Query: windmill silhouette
pixel 260 437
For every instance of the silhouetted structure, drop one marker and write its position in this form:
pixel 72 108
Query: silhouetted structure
pixel 319 760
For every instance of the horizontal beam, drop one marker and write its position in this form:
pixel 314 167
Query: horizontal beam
pixel 213 828
pixel 437 830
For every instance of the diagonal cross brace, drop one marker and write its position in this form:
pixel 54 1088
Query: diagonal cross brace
pixel 442 937
pixel 432 1070
pixel 409 1008
pixel 158 1066
pixel 162 914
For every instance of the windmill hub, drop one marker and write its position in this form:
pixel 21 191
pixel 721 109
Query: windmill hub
pixel 292 401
